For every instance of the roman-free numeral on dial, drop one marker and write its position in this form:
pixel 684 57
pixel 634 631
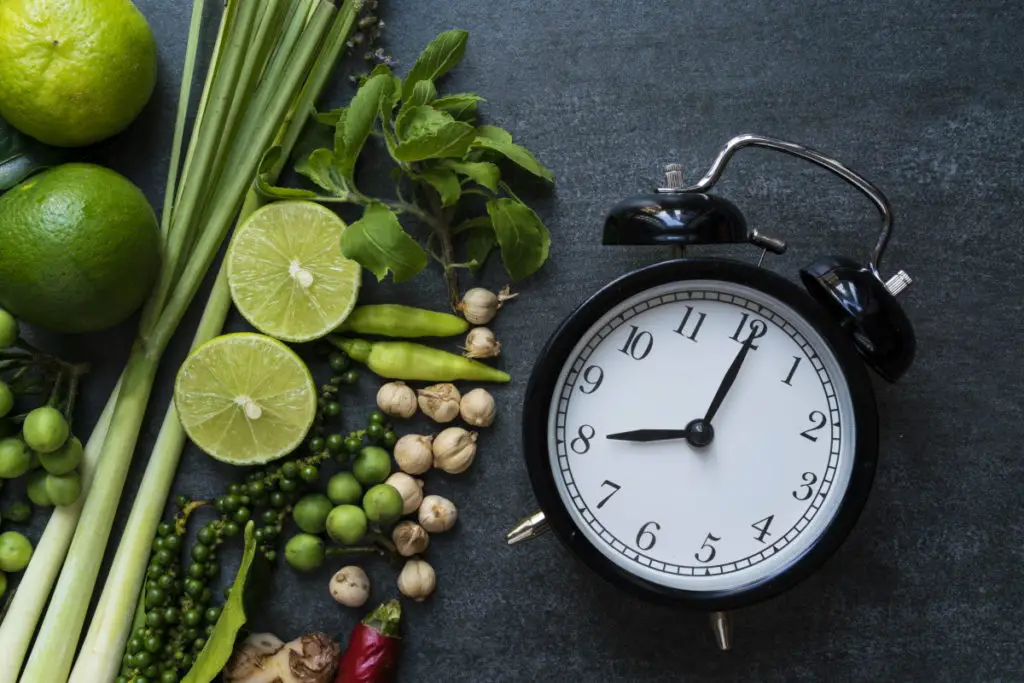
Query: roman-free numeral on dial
pixel 818 421
pixel 758 328
pixel 645 538
pixel 762 527
pixel 792 371
pixel 592 376
pixel 615 489
pixel 807 488
pixel 639 343
pixel 707 550
pixel 687 330
pixel 581 444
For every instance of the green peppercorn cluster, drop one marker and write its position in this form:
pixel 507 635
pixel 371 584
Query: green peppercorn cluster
pixel 37 449
pixel 180 606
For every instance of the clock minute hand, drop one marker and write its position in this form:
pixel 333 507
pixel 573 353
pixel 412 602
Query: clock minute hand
pixel 728 380
pixel 650 435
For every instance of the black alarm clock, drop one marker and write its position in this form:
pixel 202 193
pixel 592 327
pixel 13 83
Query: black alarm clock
pixel 703 431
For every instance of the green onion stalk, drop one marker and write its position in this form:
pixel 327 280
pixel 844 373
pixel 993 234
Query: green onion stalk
pixel 257 73
pixel 101 654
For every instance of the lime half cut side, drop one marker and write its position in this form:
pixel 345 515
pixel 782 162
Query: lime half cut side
pixel 287 274
pixel 245 398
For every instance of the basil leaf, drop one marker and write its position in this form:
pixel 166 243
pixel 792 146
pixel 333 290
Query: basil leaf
pixel 494 133
pixel 481 172
pixel 524 240
pixel 358 122
pixel 444 181
pixel 21 156
pixel 517 155
pixel 426 133
pixel 319 167
pixel 423 93
pixel 378 243
pixel 461 106
pixel 437 59
pixel 266 188
pixel 221 643
pixel 480 240
pixel 329 118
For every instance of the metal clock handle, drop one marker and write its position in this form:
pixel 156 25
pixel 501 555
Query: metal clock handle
pixel 866 187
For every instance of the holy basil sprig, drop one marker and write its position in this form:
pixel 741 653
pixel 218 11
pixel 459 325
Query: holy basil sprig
pixel 448 176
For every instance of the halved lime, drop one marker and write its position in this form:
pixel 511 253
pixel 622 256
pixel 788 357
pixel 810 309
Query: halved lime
pixel 287 274
pixel 245 398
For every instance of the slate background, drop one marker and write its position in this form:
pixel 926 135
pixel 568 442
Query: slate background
pixel 924 98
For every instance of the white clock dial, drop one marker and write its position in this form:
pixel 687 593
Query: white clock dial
pixel 756 498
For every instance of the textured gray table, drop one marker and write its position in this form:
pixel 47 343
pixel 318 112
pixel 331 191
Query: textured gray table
pixel 924 98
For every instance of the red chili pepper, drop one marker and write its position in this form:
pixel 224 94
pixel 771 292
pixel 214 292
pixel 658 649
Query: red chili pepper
pixel 372 653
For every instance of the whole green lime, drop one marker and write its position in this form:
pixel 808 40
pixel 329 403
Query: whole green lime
pixel 79 249
pixel 74 72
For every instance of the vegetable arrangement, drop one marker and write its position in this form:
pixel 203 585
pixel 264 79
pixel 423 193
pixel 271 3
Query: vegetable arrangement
pixel 293 270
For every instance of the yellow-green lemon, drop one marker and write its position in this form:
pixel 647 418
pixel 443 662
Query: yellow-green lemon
pixel 74 72
pixel 79 248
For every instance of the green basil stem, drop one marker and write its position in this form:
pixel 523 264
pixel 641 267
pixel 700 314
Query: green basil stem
pixel 17 628
pixel 57 640
pixel 110 627
pixel 184 97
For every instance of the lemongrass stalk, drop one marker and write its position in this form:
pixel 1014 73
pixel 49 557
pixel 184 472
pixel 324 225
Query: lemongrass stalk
pixel 187 74
pixel 17 629
pixel 289 39
pixel 111 625
pixel 227 17
pixel 100 656
pixel 249 151
pixel 193 197
pixel 58 636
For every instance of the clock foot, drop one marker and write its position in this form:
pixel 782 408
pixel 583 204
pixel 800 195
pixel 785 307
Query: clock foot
pixel 721 625
pixel 528 528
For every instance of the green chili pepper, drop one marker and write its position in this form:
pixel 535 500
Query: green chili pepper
pixel 404 322
pixel 411 361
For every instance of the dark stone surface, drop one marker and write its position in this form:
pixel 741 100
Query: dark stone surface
pixel 924 98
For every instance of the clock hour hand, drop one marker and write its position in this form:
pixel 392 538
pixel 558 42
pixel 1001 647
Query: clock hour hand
pixel 650 435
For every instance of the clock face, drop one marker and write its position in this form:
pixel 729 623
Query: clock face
pixel 712 517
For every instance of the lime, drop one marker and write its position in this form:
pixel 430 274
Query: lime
pixel 287 275
pixel 73 72
pixel 79 248
pixel 245 398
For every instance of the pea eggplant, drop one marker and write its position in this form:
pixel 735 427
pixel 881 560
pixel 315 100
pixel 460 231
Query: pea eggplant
pixel 411 361
pixel 373 647
pixel 403 322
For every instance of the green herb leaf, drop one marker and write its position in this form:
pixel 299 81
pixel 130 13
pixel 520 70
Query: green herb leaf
pixel 423 93
pixel 480 240
pixel 358 122
pixel 319 167
pixel 524 239
pixel 221 643
pixel 461 106
pixel 21 156
pixel 267 170
pixel 444 181
pixel 499 140
pixel 378 243
pixel 481 172
pixel 426 133
pixel 329 118
pixel 437 59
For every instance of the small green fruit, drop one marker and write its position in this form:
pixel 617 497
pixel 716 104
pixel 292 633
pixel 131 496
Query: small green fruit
pixel 45 429
pixel 15 458
pixel 346 524
pixel 383 504
pixel 304 552
pixel 63 489
pixel 65 459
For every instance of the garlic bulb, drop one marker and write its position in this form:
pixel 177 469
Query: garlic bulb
pixel 413 453
pixel 454 450
pixel 350 586
pixel 481 343
pixel 410 489
pixel 410 538
pixel 479 306
pixel 437 514
pixel 397 399
pixel 417 580
pixel 478 408
pixel 440 402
